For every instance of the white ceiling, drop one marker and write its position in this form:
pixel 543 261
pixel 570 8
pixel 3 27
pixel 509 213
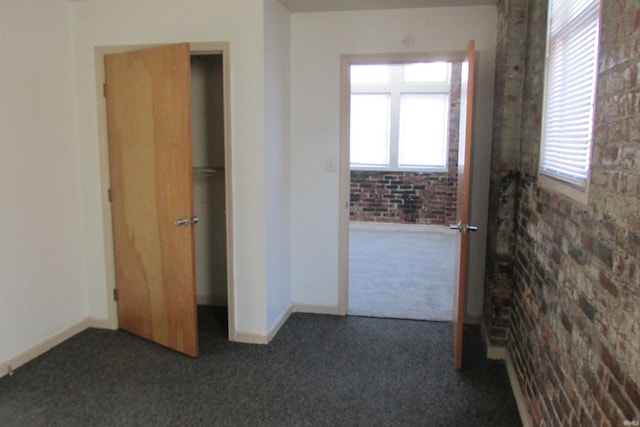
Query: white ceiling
pixel 296 6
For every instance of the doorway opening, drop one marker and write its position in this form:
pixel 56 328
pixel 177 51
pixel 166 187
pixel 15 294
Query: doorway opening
pixel 402 146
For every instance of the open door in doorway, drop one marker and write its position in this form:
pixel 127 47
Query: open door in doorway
pixel 464 198
pixel 149 126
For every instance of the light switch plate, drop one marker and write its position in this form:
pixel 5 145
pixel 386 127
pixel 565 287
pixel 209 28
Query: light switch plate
pixel 331 165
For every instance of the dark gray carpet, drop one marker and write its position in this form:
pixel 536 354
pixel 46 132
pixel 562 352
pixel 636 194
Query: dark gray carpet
pixel 318 371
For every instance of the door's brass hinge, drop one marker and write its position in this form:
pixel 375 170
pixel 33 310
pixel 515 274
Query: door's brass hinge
pixel 104 90
pixel 115 294
pixel 109 195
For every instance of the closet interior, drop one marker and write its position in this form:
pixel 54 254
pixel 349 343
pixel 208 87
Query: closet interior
pixel 207 126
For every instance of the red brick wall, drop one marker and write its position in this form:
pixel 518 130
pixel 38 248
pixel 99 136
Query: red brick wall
pixel 507 116
pixel 575 321
pixel 411 197
pixel 403 197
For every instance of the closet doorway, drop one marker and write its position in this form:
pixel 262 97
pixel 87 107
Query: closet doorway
pixel 207 141
pixel 166 164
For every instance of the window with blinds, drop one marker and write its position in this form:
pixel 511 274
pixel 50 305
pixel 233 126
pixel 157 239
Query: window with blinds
pixel 570 82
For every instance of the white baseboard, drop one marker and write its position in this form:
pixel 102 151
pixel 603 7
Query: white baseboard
pixel 250 337
pixel 256 338
pixel 11 364
pixel 494 352
pixel 298 307
pixel 99 323
pixel 387 226
pixel 472 319
pixel 517 392
pixel 279 322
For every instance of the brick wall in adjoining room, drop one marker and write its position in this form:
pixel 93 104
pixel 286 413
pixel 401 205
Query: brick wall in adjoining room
pixel 403 197
pixel 412 197
pixel 575 323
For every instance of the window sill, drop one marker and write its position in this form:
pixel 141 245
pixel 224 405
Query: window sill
pixel 396 170
pixel 557 186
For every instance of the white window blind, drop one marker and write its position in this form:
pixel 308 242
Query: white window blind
pixel 570 81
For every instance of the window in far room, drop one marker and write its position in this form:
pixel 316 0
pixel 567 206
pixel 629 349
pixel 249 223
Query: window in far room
pixel 400 116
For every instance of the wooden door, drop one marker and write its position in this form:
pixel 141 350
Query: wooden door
pixel 464 198
pixel 148 114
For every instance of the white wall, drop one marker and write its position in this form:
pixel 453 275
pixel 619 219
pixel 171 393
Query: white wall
pixel 121 22
pixel 41 257
pixel 53 263
pixel 277 58
pixel 318 40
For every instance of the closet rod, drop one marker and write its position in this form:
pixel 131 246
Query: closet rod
pixel 206 171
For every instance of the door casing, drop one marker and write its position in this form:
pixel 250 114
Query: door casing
pixel 199 48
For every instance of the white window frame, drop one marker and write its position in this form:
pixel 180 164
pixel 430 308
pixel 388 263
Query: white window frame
pixel 396 87
pixel 559 178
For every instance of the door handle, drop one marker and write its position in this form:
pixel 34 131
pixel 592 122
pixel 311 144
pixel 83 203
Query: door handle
pixel 463 228
pixel 183 221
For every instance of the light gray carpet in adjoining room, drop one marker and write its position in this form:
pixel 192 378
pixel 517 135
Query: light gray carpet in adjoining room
pixel 404 272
